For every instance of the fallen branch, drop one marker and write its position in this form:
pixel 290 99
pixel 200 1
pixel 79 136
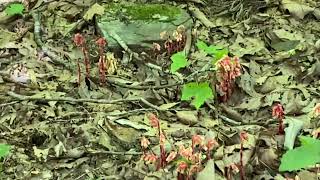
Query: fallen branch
pixel 69 99
pixel 201 16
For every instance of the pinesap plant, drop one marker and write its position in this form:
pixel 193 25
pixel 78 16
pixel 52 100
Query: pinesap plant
pixel 227 70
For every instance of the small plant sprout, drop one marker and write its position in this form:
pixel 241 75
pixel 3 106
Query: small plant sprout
pixel 227 71
pixel 79 41
pixel 278 113
pixel 243 139
pixel 102 43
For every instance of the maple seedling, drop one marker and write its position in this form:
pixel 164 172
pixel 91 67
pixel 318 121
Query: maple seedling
pixel 179 60
pixel 102 43
pixel 199 91
pixel 278 113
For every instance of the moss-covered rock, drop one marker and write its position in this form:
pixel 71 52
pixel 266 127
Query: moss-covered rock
pixel 139 25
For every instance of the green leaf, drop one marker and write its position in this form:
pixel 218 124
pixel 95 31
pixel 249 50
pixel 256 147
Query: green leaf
pixel 15 8
pixel 202 45
pixel 93 10
pixel 179 61
pixel 4 150
pixel 308 154
pixel 217 52
pixel 201 92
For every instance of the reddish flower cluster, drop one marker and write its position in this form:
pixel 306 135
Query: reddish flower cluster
pixel 228 70
pixel 278 113
pixel 102 43
pixel 174 43
pixel 316 110
pixel 80 41
pixel 190 158
pixel 163 159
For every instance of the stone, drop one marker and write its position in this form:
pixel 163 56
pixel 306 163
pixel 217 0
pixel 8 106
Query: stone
pixel 139 26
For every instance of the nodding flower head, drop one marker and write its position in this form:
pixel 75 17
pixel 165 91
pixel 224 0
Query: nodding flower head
pixel 145 142
pixel 102 42
pixel 243 136
pixel 278 111
pixel 78 39
pixel 316 110
pixel 154 121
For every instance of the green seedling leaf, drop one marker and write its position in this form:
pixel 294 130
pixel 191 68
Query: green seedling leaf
pixel 179 60
pixel 308 154
pixel 4 150
pixel 201 92
pixel 217 52
pixel 15 8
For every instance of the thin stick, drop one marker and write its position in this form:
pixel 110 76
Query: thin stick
pixel 69 99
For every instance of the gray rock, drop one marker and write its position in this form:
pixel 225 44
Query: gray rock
pixel 141 30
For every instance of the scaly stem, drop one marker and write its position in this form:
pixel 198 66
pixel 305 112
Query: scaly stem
pixel 79 73
pixel 241 162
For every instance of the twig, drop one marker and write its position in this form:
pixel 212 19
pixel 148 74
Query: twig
pixel 37 35
pixel 9 103
pixel 116 37
pixel 187 47
pixel 127 153
pixel 201 16
pixel 228 120
pixel 143 87
pixel 69 99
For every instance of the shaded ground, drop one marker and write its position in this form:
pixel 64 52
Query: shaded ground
pixel 58 129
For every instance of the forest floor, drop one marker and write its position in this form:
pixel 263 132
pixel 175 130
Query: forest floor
pixel 72 107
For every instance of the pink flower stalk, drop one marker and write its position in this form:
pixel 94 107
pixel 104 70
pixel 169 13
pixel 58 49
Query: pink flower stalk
pixel 211 143
pixel 171 156
pixel 182 167
pixel 101 42
pixel 150 158
pixel 175 43
pixel 228 70
pixel 185 152
pixel 145 143
pixel 154 121
pixel 196 140
pixel 278 113
pixel 243 138
pixel 79 40
pixel 316 110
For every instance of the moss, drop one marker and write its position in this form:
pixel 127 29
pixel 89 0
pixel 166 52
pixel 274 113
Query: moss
pixel 146 12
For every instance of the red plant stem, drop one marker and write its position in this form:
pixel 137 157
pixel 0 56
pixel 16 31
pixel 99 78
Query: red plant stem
pixel 162 160
pixel 281 128
pixel 86 59
pixel 208 155
pixel 227 173
pixel 241 162
pixel 79 72
pixel 102 66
